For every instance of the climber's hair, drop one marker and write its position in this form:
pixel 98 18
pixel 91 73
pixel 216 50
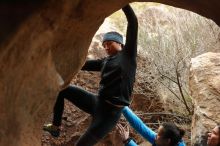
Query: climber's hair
pixel 172 132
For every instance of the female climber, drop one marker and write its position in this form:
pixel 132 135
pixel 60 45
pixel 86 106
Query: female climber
pixel 214 137
pixel 168 133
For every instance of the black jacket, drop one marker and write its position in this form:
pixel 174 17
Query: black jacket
pixel 118 71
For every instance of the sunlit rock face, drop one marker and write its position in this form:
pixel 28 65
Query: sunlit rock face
pixel 43 42
pixel 205 89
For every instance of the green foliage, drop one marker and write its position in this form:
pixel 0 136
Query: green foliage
pixel 115 17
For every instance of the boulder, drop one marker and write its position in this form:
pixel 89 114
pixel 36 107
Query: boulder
pixel 205 90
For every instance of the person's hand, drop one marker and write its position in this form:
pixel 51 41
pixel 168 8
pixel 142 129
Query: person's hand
pixel 65 85
pixel 123 131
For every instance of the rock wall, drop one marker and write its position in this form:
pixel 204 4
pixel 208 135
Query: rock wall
pixel 43 43
pixel 205 89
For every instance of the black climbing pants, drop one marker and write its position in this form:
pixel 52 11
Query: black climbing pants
pixel 104 115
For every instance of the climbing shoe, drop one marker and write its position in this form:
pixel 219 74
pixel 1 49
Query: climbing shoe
pixel 53 130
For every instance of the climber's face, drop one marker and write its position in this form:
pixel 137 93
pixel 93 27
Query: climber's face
pixel 214 137
pixel 111 47
pixel 160 140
